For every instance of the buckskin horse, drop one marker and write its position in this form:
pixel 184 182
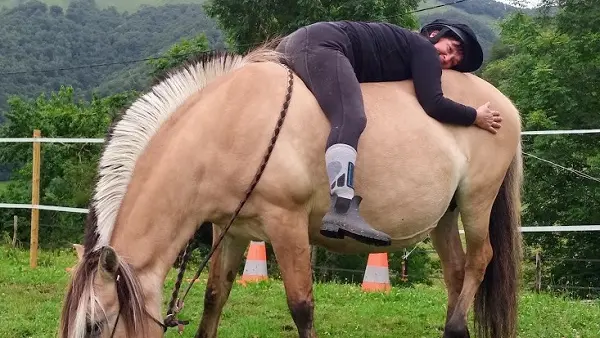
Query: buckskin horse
pixel 186 151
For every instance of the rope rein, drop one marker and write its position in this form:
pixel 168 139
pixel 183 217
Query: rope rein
pixel 176 305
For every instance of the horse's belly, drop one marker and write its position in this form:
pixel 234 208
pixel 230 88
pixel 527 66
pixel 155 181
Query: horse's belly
pixel 408 222
pixel 407 172
pixel 407 209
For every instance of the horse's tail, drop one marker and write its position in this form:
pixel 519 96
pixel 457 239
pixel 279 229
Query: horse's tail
pixel 496 301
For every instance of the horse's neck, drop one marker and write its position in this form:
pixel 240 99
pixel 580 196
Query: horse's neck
pixel 150 240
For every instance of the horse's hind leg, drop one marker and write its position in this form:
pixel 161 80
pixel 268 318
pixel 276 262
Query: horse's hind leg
pixel 446 241
pixel 475 215
pixel 223 269
pixel 288 233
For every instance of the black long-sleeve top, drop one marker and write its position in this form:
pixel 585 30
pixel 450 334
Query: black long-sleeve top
pixel 387 52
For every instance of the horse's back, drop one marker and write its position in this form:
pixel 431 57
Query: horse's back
pixel 406 160
pixel 408 169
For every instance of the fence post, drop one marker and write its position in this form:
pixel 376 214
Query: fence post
pixel 15 224
pixel 538 272
pixel 35 200
pixel 313 260
pixel 404 275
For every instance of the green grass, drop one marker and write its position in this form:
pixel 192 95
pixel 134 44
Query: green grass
pixel 31 303
pixel 121 5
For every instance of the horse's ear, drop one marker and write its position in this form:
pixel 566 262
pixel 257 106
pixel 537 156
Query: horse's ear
pixel 108 263
pixel 79 249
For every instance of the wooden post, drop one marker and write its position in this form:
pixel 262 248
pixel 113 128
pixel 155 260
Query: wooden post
pixel 404 276
pixel 35 200
pixel 15 224
pixel 538 272
pixel 313 256
pixel 313 261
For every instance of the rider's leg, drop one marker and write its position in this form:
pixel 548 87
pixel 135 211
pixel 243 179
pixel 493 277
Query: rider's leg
pixel 321 55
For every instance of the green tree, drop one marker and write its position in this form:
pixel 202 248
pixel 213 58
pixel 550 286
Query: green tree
pixel 178 54
pixel 67 170
pixel 548 65
pixel 249 23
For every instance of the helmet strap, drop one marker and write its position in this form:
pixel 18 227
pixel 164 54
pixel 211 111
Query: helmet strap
pixel 442 32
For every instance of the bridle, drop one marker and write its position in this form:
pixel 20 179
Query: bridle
pixel 158 322
pixel 175 305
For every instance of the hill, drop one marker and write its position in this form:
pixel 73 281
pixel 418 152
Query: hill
pixel 120 5
pixel 35 37
pixel 58 34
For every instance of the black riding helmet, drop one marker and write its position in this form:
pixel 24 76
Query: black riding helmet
pixel 473 53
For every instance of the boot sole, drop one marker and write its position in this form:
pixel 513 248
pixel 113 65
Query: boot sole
pixel 336 232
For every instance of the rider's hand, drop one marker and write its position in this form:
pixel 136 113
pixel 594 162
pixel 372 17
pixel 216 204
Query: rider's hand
pixel 488 119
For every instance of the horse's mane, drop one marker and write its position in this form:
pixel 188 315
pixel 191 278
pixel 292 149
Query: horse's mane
pixel 125 141
pixel 129 135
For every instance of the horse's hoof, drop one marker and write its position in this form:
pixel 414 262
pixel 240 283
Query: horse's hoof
pixel 460 333
pixel 456 331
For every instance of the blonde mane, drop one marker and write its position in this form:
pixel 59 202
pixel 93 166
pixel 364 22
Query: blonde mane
pixel 142 120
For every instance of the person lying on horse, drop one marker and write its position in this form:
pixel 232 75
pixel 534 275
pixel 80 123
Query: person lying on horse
pixel 333 58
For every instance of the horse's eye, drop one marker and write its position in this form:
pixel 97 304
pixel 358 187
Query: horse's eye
pixel 92 330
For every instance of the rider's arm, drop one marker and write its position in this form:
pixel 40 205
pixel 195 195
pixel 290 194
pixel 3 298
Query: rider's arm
pixel 426 74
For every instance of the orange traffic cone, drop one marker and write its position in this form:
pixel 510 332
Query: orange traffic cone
pixel 255 269
pixel 377 274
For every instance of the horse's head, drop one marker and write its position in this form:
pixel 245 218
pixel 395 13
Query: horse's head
pixel 105 299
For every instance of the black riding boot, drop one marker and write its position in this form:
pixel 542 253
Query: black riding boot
pixel 343 217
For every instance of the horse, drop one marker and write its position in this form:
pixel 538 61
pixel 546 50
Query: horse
pixel 184 153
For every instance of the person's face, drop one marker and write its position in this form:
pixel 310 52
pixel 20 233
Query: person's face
pixel 449 51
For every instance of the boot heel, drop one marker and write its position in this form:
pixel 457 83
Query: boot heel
pixel 331 231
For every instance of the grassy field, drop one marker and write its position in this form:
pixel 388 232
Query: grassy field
pixel 31 303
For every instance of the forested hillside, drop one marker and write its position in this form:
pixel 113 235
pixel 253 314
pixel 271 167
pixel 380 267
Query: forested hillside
pixel 120 5
pixel 38 35
pixel 35 36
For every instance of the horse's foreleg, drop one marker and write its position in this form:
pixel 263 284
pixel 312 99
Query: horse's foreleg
pixel 475 217
pixel 223 269
pixel 446 241
pixel 288 232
